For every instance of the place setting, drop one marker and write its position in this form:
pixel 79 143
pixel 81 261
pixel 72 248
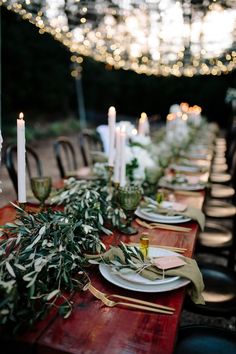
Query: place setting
pixel 169 212
pixel 188 166
pixel 182 182
pixel 199 151
pixel 162 212
pixel 155 271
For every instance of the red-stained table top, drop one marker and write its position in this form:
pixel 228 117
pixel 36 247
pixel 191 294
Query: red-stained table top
pixel 94 328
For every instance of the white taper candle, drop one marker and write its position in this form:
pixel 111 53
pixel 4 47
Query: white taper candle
pixel 111 125
pixel 142 124
pixel 122 157
pixel 21 159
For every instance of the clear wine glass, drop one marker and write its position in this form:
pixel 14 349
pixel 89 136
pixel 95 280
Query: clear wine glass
pixel 41 188
pixel 129 198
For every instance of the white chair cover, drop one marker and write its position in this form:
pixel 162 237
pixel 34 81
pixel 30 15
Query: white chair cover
pixel 103 130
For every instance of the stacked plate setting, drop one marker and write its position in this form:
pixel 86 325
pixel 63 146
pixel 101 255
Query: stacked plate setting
pixel 135 282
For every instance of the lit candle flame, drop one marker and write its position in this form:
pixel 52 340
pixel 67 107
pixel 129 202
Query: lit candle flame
pixel 170 116
pixel 112 111
pixel 21 115
pixel 197 109
pixel 143 116
pixel 184 106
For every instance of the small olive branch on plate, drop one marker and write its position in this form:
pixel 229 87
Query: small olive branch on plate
pixel 126 260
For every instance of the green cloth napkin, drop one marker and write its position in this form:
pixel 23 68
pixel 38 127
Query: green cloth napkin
pixel 190 212
pixel 189 271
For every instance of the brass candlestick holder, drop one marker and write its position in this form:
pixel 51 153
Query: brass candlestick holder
pixel 116 185
pixel 115 192
pixel 110 175
pixel 22 205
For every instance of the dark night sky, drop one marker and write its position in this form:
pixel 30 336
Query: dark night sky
pixel 36 80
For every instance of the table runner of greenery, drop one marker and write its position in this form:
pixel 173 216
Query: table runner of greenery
pixel 43 255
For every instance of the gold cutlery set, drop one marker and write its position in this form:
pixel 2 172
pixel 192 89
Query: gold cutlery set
pixel 128 301
pixel 155 225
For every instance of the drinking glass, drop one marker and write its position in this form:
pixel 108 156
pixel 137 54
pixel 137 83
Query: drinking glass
pixel 41 188
pixel 129 198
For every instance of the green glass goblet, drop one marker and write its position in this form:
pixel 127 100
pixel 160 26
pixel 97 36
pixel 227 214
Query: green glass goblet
pixel 41 188
pixel 129 198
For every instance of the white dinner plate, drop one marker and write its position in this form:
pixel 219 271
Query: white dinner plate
pixel 197 163
pixel 134 277
pixel 161 220
pixel 153 214
pixel 199 150
pixel 195 155
pixel 186 168
pixel 106 272
pixel 181 186
pixel 164 204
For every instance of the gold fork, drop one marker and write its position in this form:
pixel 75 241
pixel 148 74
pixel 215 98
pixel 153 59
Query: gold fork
pixel 138 304
pixel 111 303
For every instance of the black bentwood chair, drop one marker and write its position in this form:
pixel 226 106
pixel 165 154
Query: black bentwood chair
pixel 197 339
pixel 218 238
pixel 223 169
pixel 219 280
pixel 223 160
pixel 221 164
pixel 65 155
pixel 219 293
pixel 220 289
pixel 33 164
pixel 90 146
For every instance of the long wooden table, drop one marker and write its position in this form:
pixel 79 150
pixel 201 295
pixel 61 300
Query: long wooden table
pixel 93 328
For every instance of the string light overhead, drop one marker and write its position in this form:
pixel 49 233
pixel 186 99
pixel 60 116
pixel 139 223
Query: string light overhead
pixel 153 37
